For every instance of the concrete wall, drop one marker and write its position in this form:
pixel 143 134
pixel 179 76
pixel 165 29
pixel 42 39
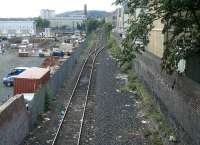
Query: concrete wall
pixel 181 105
pixel 50 90
pixel 14 124
pixel 193 67
pixel 16 121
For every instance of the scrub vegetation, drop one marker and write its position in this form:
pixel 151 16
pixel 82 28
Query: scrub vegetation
pixel 152 112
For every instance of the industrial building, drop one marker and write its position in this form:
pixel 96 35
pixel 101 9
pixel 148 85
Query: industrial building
pixel 46 13
pixel 17 27
pixel 69 21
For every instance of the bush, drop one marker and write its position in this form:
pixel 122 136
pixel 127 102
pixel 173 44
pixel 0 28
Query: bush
pixel 155 139
pixel 126 67
pixel 132 81
pixel 47 102
pixel 147 132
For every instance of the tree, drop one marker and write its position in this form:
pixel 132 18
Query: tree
pixel 107 28
pixel 78 26
pixel 92 24
pixel 181 19
pixel 41 23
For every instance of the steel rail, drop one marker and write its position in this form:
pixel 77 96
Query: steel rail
pixel 86 101
pixel 71 96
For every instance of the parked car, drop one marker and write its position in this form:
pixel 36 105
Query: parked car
pixel 138 43
pixel 25 42
pixel 4 38
pixel 58 53
pixel 8 81
pixel 13 46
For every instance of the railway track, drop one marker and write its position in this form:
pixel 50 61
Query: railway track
pixel 71 125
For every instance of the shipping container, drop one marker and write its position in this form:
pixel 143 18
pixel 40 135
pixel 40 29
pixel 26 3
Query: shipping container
pixel 49 61
pixel 30 80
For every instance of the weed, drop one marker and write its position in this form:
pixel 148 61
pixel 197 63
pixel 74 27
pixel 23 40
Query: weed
pixel 47 102
pixel 155 139
pixel 147 132
pixel 126 67
pixel 151 112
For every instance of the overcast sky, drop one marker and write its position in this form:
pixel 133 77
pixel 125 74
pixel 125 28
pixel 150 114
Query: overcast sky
pixel 31 8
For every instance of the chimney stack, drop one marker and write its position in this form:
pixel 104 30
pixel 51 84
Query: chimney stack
pixel 85 10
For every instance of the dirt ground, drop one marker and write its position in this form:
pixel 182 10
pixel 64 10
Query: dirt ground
pixel 10 60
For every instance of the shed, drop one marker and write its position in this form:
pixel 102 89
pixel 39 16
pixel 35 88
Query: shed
pixel 30 80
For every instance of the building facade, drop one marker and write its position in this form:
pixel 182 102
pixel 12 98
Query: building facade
pixel 46 13
pixel 112 19
pixel 122 19
pixel 69 21
pixel 17 27
pixel 156 40
pixel 156 37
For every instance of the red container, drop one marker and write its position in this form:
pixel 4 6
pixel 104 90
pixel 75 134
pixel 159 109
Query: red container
pixel 49 61
pixel 30 80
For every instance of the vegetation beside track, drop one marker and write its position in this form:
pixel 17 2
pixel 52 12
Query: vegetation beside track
pixel 90 40
pixel 160 129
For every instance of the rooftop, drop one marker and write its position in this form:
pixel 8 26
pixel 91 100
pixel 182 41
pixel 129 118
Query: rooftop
pixel 33 73
pixel 16 19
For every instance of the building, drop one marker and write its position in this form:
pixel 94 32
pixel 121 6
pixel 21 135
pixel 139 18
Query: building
pixel 17 27
pixel 46 13
pixel 156 40
pixel 112 19
pixel 122 19
pixel 156 37
pixel 69 21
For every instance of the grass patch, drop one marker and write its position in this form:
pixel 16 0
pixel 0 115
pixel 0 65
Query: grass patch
pixel 147 132
pixel 126 67
pixel 47 102
pixel 155 139
pixel 151 111
pixel 90 40
pixel 134 84
pixel 114 49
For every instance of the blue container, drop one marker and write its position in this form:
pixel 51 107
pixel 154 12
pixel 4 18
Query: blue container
pixel 58 53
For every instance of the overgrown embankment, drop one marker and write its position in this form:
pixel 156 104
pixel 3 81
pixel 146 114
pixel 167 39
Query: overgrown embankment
pixel 158 131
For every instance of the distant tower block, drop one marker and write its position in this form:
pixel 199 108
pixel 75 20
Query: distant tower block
pixel 85 10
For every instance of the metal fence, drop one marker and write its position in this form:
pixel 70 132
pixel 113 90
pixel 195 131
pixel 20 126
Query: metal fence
pixel 50 90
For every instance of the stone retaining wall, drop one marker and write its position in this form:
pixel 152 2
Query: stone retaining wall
pixel 181 104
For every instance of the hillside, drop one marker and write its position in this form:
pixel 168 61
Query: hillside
pixel 91 13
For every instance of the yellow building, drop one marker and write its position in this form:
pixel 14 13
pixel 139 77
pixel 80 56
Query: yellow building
pixel 156 40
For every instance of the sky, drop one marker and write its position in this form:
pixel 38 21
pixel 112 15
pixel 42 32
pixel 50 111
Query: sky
pixel 31 8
